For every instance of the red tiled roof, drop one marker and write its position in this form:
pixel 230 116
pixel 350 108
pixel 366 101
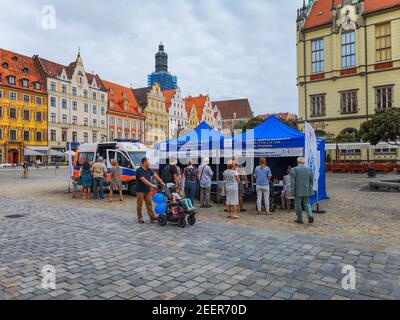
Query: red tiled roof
pixel 320 13
pixel 199 102
pixel 118 94
pixel 16 63
pixel 228 108
pixel 141 95
pixel 280 115
pixel 168 94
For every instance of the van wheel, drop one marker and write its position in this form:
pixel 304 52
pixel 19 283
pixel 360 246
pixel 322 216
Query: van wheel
pixel 132 188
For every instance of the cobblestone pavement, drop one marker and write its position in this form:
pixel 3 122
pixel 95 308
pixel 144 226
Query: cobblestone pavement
pixel 102 253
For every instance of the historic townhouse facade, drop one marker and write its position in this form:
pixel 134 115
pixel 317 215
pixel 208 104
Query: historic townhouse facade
pixel 233 112
pixel 152 101
pixel 178 117
pixel 77 104
pixel 124 115
pixel 23 107
pixel 199 109
pixel 348 57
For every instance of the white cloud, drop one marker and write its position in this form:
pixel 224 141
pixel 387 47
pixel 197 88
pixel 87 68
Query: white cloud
pixel 230 48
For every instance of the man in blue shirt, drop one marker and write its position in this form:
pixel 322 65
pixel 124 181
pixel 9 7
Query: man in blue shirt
pixel 263 174
pixel 144 176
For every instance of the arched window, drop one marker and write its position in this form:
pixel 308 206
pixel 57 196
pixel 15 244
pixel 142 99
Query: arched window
pixel 321 134
pixel 350 132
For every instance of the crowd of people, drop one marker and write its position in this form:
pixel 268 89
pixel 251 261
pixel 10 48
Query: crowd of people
pixel 195 182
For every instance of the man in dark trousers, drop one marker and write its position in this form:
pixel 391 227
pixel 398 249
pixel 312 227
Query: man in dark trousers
pixel 301 182
pixel 144 177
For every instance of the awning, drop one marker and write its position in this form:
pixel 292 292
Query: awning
pixel 30 152
pixel 42 151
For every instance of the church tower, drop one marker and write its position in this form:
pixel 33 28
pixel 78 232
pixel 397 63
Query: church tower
pixel 161 59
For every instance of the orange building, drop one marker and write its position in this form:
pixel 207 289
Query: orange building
pixel 23 107
pixel 199 109
pixel 125 116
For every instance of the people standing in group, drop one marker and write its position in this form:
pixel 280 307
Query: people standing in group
pixel 263 175
pixel 85 179
pixel 287 191
pixel 99 172
pixel 191 177
pixel 116 184
pixel 144 178
pixel 232 181
pixel 243 185
pixel 301 183
pixel 205 177
pixel 25 170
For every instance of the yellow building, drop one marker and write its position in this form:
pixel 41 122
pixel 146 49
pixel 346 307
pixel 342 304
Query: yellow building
pixel 152 101
pixel 23 107
pixel 348 57
pixel 199 109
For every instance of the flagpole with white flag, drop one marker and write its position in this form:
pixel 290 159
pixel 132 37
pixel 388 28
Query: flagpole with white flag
pixel 311 153
pixel 70 167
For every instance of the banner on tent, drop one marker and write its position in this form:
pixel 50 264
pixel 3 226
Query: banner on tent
pixel 267 152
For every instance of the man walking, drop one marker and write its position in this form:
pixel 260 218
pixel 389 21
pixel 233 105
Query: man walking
pixel 205 176
pixel 99 173
pixel 144 176
pixel 301 182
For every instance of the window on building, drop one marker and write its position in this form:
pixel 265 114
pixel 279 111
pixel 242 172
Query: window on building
pixel 317 55
pixel 74 105
pixel 102 97
pixel 86 107
pixel 85 93
pixel 64 119
pixel 74 91
pixel 1 94
pixel 27 99
pixel 348 102
pixel 53 135
pixel 52 86
pixel 112 103
pixel 103 124
pixel 103 111
pixel 383 42
pixel 318 108
pixel 85 137
pixel 75 120
pixel 112 121
pixel 86 122
pixel 94 123
pixel 38 100
pixel 64 88
pixel 38 116
pixel 94 109
pixel 94 137
pixel 12 96
pixel 53 102
pixel 13 135
pixel 64 135
pixel 348 49
pixel 25 83
pixel 53 118
pixel 75 136
pixel 112 135
pixel 1 111
pixel 13 113
pixel 11 80
pixel 386 151
pixel 64 104
pixel 94 96
pixel 27 136
pixel 26 115
pixel 384 97
pixel 119 122
pixel 37 86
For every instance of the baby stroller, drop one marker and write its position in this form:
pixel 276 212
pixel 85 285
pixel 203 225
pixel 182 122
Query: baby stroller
pixel 176 211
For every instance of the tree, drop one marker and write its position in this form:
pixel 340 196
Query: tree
pixel 239 125
pixel 252 123
pixel 384 126
pixel 291 123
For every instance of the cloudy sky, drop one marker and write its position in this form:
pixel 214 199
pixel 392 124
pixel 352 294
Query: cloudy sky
pixel 229 48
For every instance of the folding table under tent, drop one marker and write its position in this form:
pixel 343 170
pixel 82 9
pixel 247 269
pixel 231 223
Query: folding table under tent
pixel 275 139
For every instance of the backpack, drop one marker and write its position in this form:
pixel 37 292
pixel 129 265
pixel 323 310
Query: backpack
pixel 166 175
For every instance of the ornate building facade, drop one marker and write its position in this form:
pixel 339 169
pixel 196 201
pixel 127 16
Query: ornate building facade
pixel 233 112
pixel 23 107
pixel 348 57
pixel 199 109
pixel 77 104
pixel 178 117
pixel 125 117
pixel 152 100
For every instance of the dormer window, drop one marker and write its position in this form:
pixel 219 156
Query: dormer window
pixel 37 86
pixel 11 80
pixel 15 59
pixel 5 65
pixel 25 83
pixel 25 70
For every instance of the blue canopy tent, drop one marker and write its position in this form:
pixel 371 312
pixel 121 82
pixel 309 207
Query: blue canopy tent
pixel 275 139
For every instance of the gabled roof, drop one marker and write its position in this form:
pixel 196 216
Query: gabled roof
pixel 119 94
pixel 229 108
pixel 168 94
pixel 199 103
pixel 321 14
pixel 141 95
pixel 16 64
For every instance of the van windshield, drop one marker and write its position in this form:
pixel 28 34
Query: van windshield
pixel 137 157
